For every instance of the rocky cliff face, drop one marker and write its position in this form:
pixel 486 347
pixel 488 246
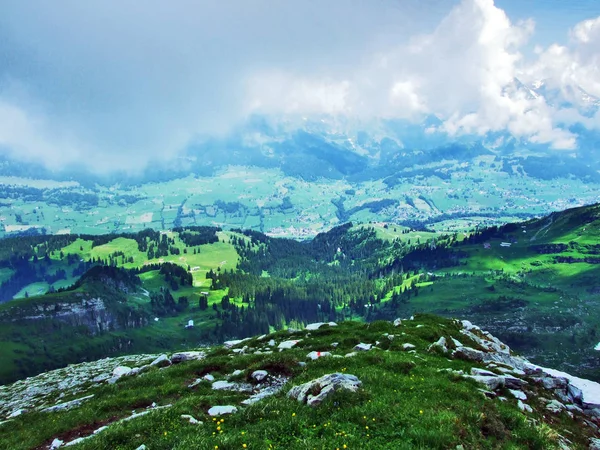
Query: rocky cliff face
pixel 90 312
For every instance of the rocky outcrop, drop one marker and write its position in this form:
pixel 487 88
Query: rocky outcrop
pixel 314 392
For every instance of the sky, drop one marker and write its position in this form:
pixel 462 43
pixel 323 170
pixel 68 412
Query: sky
pixel 112 85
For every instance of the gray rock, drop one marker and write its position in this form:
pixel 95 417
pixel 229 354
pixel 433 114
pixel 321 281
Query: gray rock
pixel 231 344
pixel 229 386
pixel 56 443
pixel 317 355
pixel 236 373
pixel 575 394
pixel 259 375
pixel 440 345
pixel 100 378
pixel 574 409
pixel 555 406
pixel 397 322
pixel 67 405
pixel 350 355
pixel 314 392
pixel 362 347
pixel 16 413
pixel 286 345
pixel 208 377
pixel 221 410
pixel 316 326
pixel 161 361
pixel 408 346
pixel 191 419
pixel 180 357
pixel 514 382
pixel 142 447
pixel 518 394
pixel 524 407
pixel 492 383
pixel 594 444
pixel 483 373
pixel 121 371
pixel 335 344
pixel 468 353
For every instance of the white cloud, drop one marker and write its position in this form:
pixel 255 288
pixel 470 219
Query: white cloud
pixel 115 90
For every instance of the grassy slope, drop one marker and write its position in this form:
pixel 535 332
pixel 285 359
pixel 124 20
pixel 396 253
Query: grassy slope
pixel 555 296
pixel 404 403
pixel 23 348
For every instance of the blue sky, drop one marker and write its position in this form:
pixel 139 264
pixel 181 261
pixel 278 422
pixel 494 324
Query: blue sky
pixel 553 18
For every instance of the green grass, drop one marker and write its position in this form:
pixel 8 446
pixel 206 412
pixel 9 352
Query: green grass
pixel 404 403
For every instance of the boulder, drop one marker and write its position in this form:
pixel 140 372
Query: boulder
pixel 397 322
pixel 594 444
pixel 520 395
pixel 514 382
pixel 317 325
pixel 524 407
pixel 555 406
pixel 492 383
pixel 222 410
pixel 161 361
pixel 186 356
pixel 56 443
pixel 575 394
pixel 439 345
pixel 314 392
pixel 286 345
pixel 468 353
pixel 191 419
pixel 362 347
pixel 482 372
pixel 229 386
pixel 408 346
pixel 259 375
pixel 121 371
pixel 317 355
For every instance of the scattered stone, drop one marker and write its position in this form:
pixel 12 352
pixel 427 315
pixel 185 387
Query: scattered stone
pixel 229 386
pixel 594 444
pixel 121 371
pixel 397 322
pixel 161 361
pixel 335 344
pixel 350 355
pixel 524 406
pixel 286 345
pixel 142 447
pixel 231 344
pixel 575 394
pixel 16 413
pixel 441 344
pixel 483 373
pixel 316 326
pixel 468 353
pixel 180 357
pixel 520 395
pixel 555 406
pixel 271 343
pixel 314 392
pixel 408 346
pixel 67 405
pixel 221 410
pixel 259 375
pixel 208 377
pixel 363 347
pixel 56 443
pixel 236 373
pixel 100 378
pixel 191 419
pixel 317 355
pixel 492 383
pixel 514 382
pixel 574 409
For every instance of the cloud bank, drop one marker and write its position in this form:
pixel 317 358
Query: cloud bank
pixel 114 85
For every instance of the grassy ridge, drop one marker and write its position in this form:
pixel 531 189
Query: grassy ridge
pixel 405 402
